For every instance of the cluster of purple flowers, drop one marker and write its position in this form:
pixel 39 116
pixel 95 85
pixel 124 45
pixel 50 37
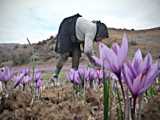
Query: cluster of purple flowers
pixel 138 74
pixel 25 77
pixel 22 78
pixel 85 74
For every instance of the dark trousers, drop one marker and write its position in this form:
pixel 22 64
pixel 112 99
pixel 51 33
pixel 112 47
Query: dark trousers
pixel 76 54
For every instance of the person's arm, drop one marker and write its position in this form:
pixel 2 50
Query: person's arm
pixel 88 46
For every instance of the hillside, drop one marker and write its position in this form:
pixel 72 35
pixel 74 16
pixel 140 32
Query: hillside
pixel 15 54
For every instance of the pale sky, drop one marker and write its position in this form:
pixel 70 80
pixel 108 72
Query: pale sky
pixel 39 19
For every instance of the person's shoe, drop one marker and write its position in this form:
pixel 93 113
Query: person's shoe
pixel 55 80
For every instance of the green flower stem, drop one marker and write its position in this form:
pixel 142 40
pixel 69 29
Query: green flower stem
pixel 33 91
pixel 106 99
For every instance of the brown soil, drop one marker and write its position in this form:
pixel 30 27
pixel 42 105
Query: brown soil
pixel 152 109
pixel 59 103
pixel 55 104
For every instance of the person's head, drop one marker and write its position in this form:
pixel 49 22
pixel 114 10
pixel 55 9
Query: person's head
pixel 102 31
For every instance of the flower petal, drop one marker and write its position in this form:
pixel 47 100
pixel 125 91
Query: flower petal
pixel 127 76
pixel 115 48
pixel 110 57
pixel 76 77
pixel 137 85
pixel 150 77
pixel 123 52
pixel 147 63
pixel 137 60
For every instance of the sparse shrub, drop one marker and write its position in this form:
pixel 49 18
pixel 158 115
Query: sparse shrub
pixel 4 56
pixel 21 56
pixel 16 46
pixel 7 63
pixel 24 46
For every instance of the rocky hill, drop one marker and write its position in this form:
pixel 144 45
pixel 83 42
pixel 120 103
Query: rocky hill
pixel 16 54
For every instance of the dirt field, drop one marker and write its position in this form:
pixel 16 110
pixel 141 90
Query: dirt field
pixel 55 104
pixel 61 104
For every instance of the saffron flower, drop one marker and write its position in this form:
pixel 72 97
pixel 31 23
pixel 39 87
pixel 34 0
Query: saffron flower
pixel 5 74
pixel 38 82
pixel 38 86
pixel 19 79
pixel 26 80
pixel 100 75
pixel 113 58
pixel 82 72
pixel 37 76
pixel 140 74
pixel 74 76
pixel 38 79
pixel 91 74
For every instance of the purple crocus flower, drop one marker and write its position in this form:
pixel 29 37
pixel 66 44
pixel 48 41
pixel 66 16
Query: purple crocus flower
pixel 139 74
pixel 38 86
pixel 26 79
pixel 24 71
pixel 90 74
pixel 113 58
pixel 19 79
pixel 5 74
pixel 102 74
pixel 99 74
pixel 74 76
pixel 91 78
pixel 39 83
pixel 38 78
pixel 82 72
pixel 101 61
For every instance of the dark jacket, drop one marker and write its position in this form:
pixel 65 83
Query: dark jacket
pixel 66 37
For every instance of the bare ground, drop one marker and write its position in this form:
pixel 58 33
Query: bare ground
pixel 55 104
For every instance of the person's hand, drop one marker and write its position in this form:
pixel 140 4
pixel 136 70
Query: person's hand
pixel 95 63
pixel 92 61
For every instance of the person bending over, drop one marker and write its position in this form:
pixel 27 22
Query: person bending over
pixel 73 31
